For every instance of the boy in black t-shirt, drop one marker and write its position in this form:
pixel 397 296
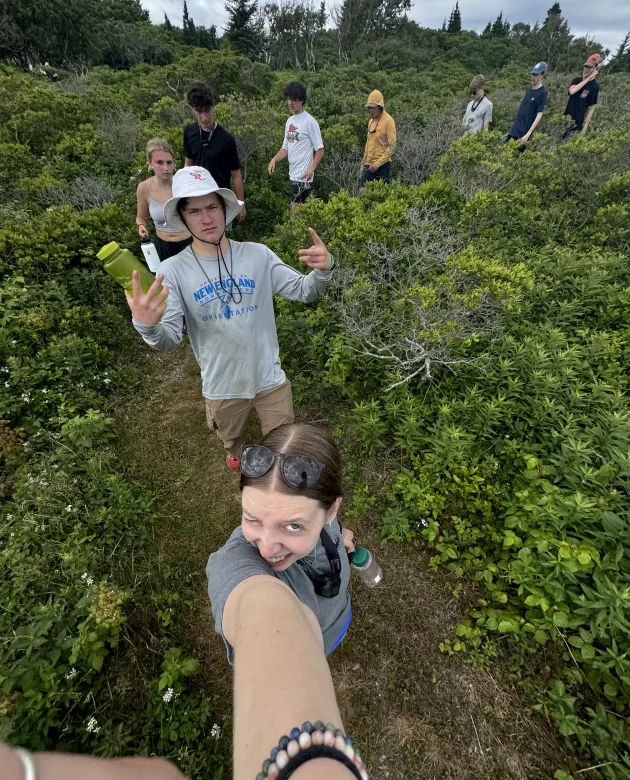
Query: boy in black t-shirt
pixel 583 94
pixel 209 145
pixel 531 109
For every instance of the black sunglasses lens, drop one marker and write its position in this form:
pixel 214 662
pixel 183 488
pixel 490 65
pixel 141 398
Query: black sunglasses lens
pixel 300 472
pixel 256 460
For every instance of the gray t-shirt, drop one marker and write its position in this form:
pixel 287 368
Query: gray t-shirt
pixel 238 559
pixel 235 342
pixel 475 120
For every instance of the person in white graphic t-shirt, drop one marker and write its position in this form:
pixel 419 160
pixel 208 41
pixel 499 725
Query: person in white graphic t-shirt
pixel 302 144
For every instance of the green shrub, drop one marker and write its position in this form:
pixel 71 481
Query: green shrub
pixel 72 538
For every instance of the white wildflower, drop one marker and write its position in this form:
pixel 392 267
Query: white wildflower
pixel 9 517
pixel 92 726
pixel 6 384
pixel 71 674
pixel 44 391
pixel 215 732
pixel 69 508
pixel 168 695
pixel 87 579
pixel 14 341
pixel 107 381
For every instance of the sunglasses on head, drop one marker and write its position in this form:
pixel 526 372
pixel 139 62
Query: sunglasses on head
pixel 297 471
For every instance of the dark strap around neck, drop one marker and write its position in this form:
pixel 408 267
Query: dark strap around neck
pixel 331 550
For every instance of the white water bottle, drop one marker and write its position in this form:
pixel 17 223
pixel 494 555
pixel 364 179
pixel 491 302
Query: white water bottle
pixel 150 255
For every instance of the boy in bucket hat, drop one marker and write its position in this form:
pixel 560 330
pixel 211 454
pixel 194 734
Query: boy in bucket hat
pixel 583 95
pixel 531 109
pixel 225 291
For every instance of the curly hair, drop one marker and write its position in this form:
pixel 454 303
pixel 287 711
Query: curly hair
pixel 200 97
pixel 295 90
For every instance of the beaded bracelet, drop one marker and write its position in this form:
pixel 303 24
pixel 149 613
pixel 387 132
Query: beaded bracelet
pixel 312 741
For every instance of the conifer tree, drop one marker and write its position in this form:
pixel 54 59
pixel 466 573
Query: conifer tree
pixel 500 28
pixel 244 30
pixel 455 21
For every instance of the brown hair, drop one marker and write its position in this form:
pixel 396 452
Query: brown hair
pixel 157 145
pixel 311 442
pixel 183 202
pixel 200 96
pixel 479 82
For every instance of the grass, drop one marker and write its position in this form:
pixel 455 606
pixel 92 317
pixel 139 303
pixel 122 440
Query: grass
pixel 416 712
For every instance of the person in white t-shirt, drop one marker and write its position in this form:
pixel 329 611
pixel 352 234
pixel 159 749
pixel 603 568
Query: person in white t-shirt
pixel 302 144
pixel 478 114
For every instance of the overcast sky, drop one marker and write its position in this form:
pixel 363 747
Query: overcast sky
pixel 605 20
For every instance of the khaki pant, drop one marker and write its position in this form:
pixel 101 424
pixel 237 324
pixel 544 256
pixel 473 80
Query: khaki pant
pixel 229 417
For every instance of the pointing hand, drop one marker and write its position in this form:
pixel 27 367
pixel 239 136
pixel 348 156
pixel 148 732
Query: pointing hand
pixel 316 256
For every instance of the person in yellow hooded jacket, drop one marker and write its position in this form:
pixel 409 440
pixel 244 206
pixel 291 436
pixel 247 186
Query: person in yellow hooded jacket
pixel 381 140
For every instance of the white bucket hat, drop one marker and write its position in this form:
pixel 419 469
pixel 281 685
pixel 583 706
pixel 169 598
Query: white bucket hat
pixel 191 182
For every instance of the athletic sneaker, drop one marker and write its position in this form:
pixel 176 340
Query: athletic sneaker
pixel 233 462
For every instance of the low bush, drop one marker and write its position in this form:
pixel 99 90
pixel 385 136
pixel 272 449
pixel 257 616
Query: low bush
pixel 90 661
pixel 516 452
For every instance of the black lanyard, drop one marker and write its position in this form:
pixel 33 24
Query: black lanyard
pixel 205 145
pixel 332 553
pixel 325 585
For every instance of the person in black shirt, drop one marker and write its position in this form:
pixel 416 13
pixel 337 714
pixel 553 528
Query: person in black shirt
pixel 531 109
pixel 209 145
pixel 583 94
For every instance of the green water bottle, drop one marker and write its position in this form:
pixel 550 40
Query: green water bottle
pixel 120 263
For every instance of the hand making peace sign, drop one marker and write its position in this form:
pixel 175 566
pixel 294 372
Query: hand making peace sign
pixel 316 256
pixel 147 308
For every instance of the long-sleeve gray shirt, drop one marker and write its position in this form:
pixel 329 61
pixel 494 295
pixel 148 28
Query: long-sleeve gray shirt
pixel 234 336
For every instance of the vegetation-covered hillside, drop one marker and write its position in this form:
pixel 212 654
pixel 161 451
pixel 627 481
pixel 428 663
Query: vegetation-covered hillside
pixel 476 344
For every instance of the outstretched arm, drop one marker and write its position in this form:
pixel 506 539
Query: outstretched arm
pixel 62 766
pixel 158 321
pixel 281 677
pixel 291 284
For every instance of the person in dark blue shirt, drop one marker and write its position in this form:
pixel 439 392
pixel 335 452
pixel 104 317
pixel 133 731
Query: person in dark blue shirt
pixel 531 109
pixel 583 94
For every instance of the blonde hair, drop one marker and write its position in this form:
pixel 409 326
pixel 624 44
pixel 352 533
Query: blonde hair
pixel 479 82
pixel 157 145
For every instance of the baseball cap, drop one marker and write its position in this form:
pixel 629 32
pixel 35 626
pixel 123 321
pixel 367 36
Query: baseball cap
pixel 593 61
pixel 540 67
pixel 192 182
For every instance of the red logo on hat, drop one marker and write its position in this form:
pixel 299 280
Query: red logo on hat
pixel 197 176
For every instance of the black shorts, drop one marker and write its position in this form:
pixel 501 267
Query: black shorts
pixel 166 249
pixel 300 191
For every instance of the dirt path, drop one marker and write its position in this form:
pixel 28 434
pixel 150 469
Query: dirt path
pixel 416 713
